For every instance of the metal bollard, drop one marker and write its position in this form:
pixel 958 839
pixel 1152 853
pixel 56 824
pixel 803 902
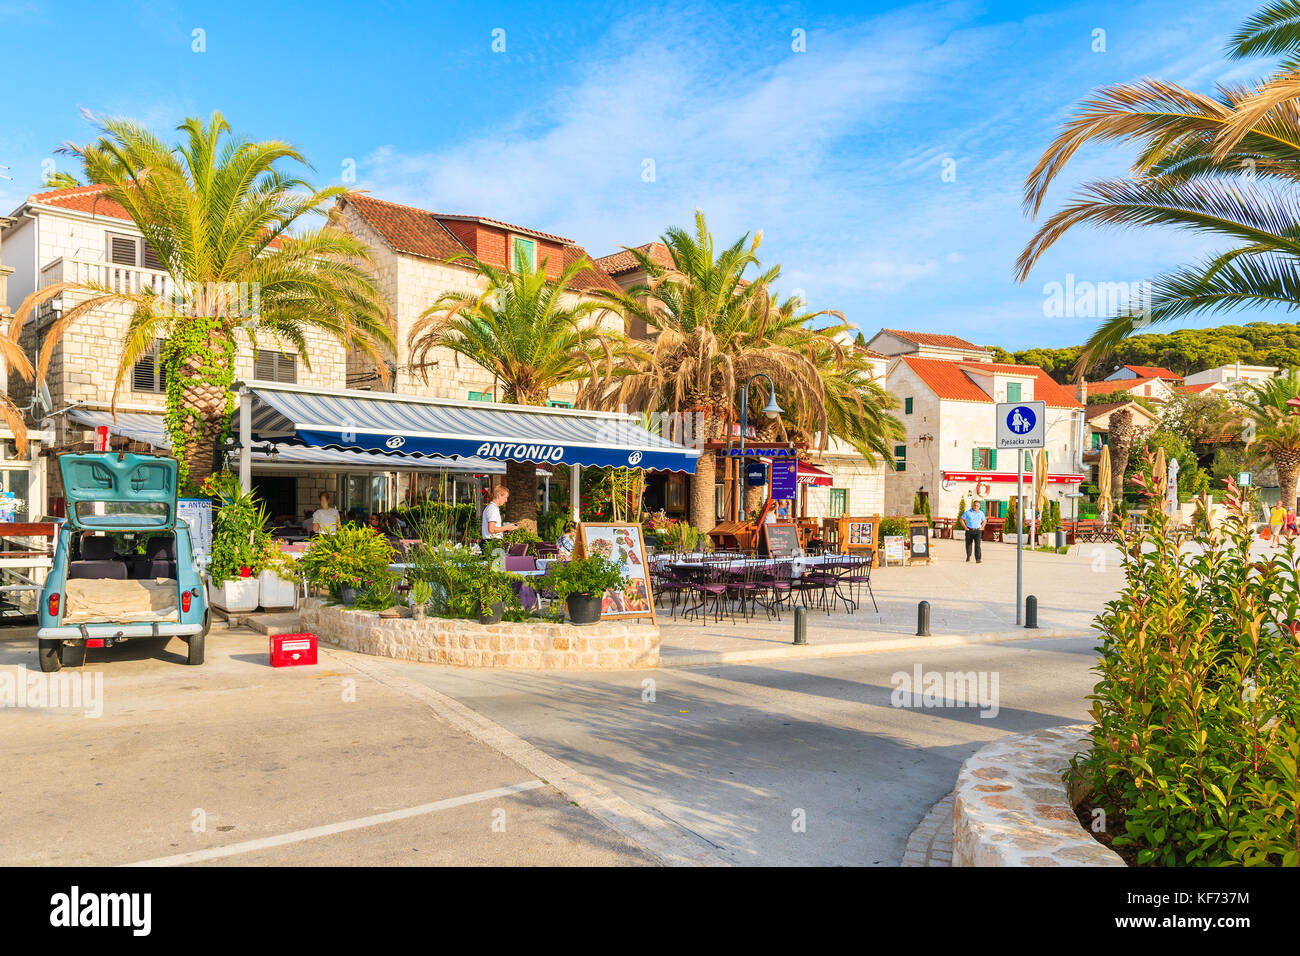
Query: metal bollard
pixel 801 625
pixel 923 619
pixel 1031 611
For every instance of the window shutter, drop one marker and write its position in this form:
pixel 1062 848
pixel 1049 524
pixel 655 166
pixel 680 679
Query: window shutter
pixel 993 459
pixel 143 374
pixel 907 406
pixel 121 250
pixel 264 367
pixel 287 372
pixel 150 259
pixel 974 459
pixel 1013 391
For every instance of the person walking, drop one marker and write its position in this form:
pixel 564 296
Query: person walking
pixel 1276 521
pixel 972 521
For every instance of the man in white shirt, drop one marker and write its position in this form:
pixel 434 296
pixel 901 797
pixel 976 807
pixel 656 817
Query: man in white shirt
pixel 492 525
pixel 326 517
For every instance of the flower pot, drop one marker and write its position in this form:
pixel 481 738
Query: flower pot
pixel 236 596
pixel 419 611
pixel 348 596
pixel 583 608
pixel 277 592
pixel 491 615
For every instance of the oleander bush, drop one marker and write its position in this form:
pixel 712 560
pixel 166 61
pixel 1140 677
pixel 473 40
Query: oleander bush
pixel 1196 742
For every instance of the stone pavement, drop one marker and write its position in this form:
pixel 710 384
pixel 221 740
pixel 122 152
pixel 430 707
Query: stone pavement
pixel 931 842
pixel 969 603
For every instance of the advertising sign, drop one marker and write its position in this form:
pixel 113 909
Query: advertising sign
pixel 785 479
pixel 622 544
pixel 197 513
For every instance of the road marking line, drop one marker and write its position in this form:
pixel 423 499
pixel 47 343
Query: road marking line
pixel 329 829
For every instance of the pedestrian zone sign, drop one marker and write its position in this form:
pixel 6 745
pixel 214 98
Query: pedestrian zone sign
pixel 1021 424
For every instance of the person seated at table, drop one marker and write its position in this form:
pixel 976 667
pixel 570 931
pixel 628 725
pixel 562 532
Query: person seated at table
pixel 326 518
pixel 566 545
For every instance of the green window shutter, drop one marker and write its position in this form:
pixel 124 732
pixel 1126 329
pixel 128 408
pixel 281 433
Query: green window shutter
pixel 993 459
pixel 900 458
pixel 1013 391
pixel 975 459
pixel 525 255
pixel 907 406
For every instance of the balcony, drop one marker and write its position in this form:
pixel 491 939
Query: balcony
pixel 110 275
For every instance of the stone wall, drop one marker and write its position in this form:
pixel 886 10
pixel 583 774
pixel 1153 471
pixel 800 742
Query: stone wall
pixel 1011 808
pixel 529 645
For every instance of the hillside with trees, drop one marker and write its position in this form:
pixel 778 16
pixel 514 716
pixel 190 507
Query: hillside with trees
pixel 1184 351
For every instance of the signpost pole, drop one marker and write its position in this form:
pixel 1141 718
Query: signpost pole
pixel 1020 538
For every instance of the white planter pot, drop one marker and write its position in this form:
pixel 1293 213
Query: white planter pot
pixel 276 592
pixel 238 595
pixel 1013 538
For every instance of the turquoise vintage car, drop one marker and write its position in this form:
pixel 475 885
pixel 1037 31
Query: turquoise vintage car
pixel 124 566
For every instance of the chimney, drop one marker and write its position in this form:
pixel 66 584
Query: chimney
pixel 1081 392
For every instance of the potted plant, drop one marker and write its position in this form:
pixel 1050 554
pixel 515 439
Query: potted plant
pixel 347 560
pixel 421 595
pixel 492 590
pixel 239 541
pixel 582 584
pixel 278 580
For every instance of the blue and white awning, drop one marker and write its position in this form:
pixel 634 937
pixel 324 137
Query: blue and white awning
pixel 149 429
pixel 404 425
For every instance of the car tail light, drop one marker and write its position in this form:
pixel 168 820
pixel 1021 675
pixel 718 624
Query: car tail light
pixel 95 642
pixel 54 605
pixel 186 597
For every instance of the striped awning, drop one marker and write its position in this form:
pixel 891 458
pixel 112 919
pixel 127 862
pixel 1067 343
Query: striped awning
pixel 149 429
pixel 405 426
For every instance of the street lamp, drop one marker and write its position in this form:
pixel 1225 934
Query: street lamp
pixel 772 410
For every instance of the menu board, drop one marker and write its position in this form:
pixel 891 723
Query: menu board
pixel 895 548
pixel 197 513
pixel 920 543
pixel 780 539
pixel 859 534
pixel 624 545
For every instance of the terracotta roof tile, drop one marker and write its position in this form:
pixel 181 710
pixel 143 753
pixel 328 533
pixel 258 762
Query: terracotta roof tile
pixel 950 380
pixel 938 341
pixel 588 279
pixel 89 199
pixel 1118 385
pixel 1154 371
pixel 617 263
pixel 1194 389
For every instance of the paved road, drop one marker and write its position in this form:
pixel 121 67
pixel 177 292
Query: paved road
pixel 257 755
pixel 733 753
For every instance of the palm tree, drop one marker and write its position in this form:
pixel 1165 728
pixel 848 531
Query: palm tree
pixel 711 328
pixel 1277 426
pixel 218 212
pixel 530 334
pixel 1224 164
pixel 700 314
pixel 1121 436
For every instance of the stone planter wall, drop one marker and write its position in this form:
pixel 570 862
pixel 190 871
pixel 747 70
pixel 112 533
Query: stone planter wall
pixel 1010 807
pixel 530 645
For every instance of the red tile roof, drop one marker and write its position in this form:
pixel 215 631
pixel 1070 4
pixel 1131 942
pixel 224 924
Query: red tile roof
pixel 949 380
pixel 418 232
pixel 1118 385
pixel 91 199
pixel 1153 371
pixel 938 341
pixel 1194 389
pixel 617 263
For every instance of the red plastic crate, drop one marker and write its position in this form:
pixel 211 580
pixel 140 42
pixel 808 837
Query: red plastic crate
pixel 289 650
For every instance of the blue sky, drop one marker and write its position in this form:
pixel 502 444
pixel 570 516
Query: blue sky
pixel 837 153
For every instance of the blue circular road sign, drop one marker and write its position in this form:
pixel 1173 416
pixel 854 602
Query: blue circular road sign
pixel 1021 420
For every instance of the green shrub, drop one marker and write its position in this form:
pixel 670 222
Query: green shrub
pixel 894 526
pixel 351 557
pixel 593 575
pixel 239 538
pixel 680 536
pixel 1195 746
pixel 553 523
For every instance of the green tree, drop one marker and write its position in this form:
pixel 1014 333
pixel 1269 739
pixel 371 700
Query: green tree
pixel 218 210
pixel 1277 426
pixel 531 333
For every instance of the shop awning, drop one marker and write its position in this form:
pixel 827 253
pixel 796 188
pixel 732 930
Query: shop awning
pixel 404 426
pixel 149 429
pixel 812 475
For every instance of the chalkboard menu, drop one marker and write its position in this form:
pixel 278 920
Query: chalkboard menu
pixel 778 540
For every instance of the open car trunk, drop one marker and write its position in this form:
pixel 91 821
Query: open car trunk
pixel 112 601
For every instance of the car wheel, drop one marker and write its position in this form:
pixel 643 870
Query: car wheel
pixel 51 655
pixel 196 649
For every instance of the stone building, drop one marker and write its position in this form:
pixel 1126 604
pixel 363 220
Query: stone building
pixel 950 453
